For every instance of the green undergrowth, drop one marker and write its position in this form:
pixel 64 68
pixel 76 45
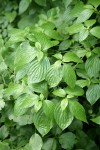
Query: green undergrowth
pixel 49 75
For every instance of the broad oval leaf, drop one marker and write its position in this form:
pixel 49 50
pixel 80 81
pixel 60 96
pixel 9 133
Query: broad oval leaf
pixel 76 91
pixel 83 34
pixel 3 132
pixel 95 3
pixel 18 109
pixel 96 50
pixel 54 76
pixel 21 71
pixel 67 140
pixel 96 120
pixel 35 142
pixel 82 83
pixel 59 92
pixel 48 108
pixel 24 102
pixel 42 123
pixel 93 93
pixel 92 66
pixel 69 75
pixel 16 35
pixel 44 40
pixel 24 54
pixel 75 28
pixel 77 110
pixel 77 9
pixel 37 70
pixel 41 2
pixel 29 101
pixel 95 31
pixel 22 120
pixel 84 15
pixel 14 89
pixel 65 45
pixel 71 57
pixel 64 104
pixel 63 118
pixel 23 5
pixel 40 87
pixel 90 22
pixel 50 144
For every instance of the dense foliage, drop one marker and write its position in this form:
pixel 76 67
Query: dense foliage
pixel 49 74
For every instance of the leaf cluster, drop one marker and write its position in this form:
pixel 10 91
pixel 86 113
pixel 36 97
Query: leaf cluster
pixel 49 75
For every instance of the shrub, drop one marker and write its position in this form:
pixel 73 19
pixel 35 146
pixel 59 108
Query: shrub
pixel 49 75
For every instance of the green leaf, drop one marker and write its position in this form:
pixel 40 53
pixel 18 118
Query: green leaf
pixel 82 83
pixel 96 120
pixel 65 45
pixel 16 35
pixel 3 65
pixel 14 89
pixel 39 55
pixel 84 15
pixel 90 22
pixel 41 2
pixel 4 146
pixel 93 93
pixel 48 26
pixel 37 106
pixel 95 3
pixel 64 104
pixel 59 92
pixel 21 71
pixel 23 5
pixel 92 66
pixel 44 40
pixel 71 57
pixel 10 16
pixel 24 54
pixel 80 52
pixel 53 34
pixel 37 70
pixel 3 132
pixel 67 140
pixel 82 73
pixel 49 144
pixel 96 50
pixel 40 87
pixel 58 56
pixel 54 76
pixel 69 75
pixel 77 110
pixel 18 109
pixel 22 120
pixel 75 28
pixel 67 3
pixel 95 31
pixel 29 101
pixel 48 108
pixel 76 91
pixel 77 9
pixel 63 118
pixel 42 123
pixel 83 34
pixel 25 21
pixel 2 104
pixel 35 142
